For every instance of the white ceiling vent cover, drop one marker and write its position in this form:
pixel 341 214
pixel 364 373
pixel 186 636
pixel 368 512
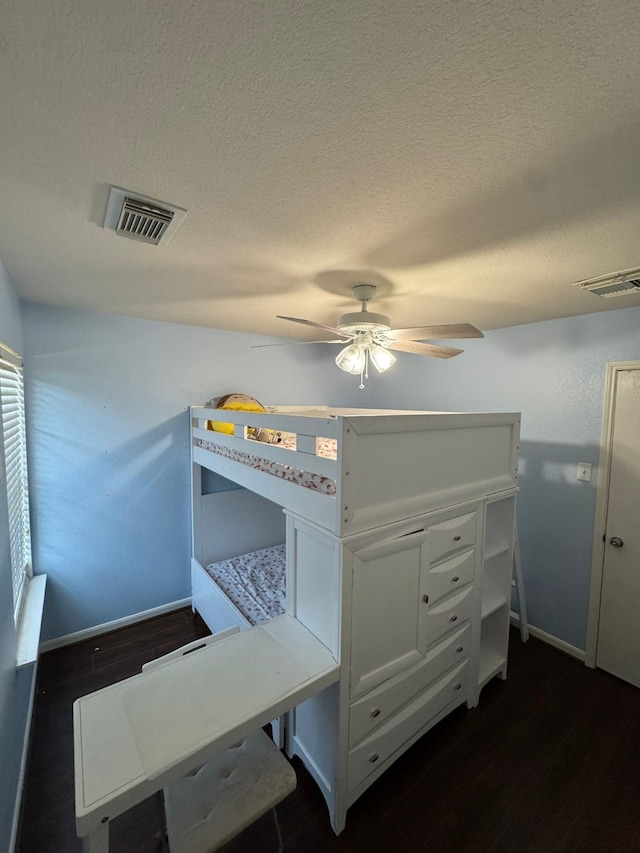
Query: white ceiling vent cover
pixel 141 218
pixel 615 284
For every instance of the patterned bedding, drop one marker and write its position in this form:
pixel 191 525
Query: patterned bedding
pixel 254 582
pixel 316 482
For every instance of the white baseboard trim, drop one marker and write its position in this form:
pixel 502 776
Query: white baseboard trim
pixel 87 633
pixel 556 642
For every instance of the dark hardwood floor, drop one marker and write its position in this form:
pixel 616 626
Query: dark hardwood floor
pixel 549 761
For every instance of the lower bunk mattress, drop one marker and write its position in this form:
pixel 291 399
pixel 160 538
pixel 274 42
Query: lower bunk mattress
pixel 255 582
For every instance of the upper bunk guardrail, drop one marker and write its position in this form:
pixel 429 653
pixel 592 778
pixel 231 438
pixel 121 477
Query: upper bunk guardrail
pixel 328 427
pixel 306 429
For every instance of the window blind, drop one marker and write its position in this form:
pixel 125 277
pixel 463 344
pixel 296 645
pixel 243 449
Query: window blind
pixel 15 460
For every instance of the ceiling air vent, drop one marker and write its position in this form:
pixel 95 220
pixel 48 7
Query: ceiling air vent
pixel 141 218
pixel 142 221
pixel 615 284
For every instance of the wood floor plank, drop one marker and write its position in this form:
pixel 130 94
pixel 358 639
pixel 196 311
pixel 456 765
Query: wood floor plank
pixel 549 762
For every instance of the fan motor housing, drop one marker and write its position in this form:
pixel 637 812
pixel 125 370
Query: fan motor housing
pixel 366 321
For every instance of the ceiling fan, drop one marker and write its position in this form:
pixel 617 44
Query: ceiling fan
pixel 369 337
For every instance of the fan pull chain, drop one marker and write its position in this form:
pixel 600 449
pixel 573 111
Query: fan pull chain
pixel 365 370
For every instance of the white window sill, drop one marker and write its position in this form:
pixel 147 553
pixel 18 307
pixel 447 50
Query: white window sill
pixel 28 638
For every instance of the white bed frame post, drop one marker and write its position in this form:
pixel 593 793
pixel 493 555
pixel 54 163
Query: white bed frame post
pixel 317 583
pixel 196 510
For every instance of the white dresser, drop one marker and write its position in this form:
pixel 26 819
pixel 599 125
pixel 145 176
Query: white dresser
pixel 418 614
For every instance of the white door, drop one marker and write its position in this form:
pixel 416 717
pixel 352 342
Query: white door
pixel 618 648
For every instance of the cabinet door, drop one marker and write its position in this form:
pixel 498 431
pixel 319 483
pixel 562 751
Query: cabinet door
pixel 389 584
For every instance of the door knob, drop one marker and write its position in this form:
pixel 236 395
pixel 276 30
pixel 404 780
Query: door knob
pixel 616 541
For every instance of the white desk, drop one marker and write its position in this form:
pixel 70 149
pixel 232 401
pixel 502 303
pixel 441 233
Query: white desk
pixel 133 737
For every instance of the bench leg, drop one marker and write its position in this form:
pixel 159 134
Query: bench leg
pixel 97 841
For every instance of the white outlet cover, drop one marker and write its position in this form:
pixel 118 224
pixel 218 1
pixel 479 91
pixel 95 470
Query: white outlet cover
pixel 584 471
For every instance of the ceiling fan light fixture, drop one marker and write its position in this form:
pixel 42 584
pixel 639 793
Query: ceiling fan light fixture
pixel 381 358
pixel 371 337
pixel 351 359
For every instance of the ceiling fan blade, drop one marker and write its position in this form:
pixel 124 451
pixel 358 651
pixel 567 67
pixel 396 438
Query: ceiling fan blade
pixel 299 343
pixel 424 333
pixel 425 349
pixel 314 325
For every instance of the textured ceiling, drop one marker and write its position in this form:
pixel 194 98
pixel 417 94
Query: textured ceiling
pixel 472 158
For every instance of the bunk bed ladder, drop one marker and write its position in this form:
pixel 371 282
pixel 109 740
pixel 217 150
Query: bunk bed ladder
pixel 518 583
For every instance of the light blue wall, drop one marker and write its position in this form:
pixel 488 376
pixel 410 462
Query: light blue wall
pixel 109 449
pixel 554 373
pixel 15 687
pixel 107 400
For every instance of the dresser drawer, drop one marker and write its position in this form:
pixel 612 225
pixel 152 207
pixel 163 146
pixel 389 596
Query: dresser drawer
pixel 453 573
pixel 385 740
pixel 448 615
pixel 378 705
pixel 451 535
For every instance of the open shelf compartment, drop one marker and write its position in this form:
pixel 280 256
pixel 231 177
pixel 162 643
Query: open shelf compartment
pixel 494 644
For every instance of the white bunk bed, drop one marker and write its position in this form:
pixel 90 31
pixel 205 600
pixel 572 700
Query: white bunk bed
pixel 237 524
pixel 399 545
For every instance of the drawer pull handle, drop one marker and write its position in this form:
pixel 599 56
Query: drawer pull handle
pixel 373 758
pixel 453 618
pixel 460 649
pixel 375 712
pixel 455 579
pixel 457 538
pixel 425 598
pixel 458 686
